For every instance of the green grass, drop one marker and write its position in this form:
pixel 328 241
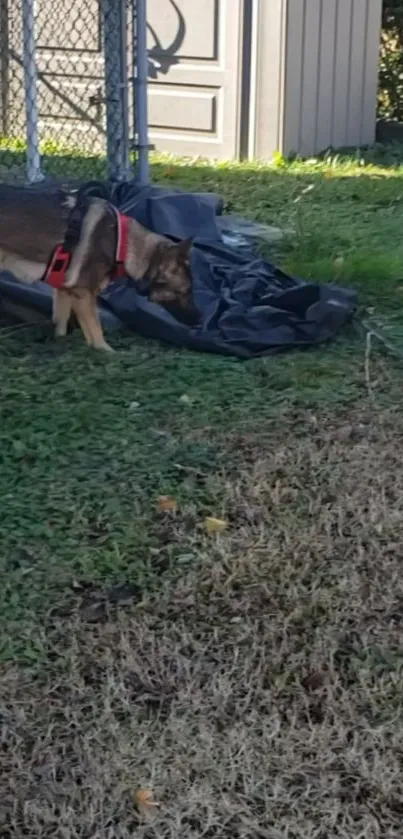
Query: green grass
pixel 300 455
pixel 73 454
pixel 81 471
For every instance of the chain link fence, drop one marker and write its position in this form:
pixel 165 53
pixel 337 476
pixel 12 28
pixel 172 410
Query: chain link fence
pixel 68 72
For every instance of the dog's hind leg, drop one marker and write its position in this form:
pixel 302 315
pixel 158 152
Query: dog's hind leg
pixel 85 308
pixel 62 308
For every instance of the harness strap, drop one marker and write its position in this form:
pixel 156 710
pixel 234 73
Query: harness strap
pixel 58 264
pixel 55 274
pixel 122 230
pixel 60 259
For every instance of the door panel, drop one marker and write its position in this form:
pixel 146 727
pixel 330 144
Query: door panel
pixel 194 86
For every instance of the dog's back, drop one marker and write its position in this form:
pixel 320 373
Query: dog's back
pixel 32 221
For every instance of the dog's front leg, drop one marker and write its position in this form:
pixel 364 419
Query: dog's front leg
pixel 84 306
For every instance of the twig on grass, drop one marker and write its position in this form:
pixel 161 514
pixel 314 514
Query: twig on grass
pixel 368 344
pixel 5 331
pixel 368 328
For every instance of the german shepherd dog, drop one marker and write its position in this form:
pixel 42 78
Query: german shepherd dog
pixel 35 222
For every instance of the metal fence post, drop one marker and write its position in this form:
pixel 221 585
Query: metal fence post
pixel 114 29
pixel 140 75
pixel 124 87
pixel 4 67
pixel 30 89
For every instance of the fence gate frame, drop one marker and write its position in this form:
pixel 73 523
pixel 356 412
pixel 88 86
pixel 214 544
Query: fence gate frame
pixel 118 84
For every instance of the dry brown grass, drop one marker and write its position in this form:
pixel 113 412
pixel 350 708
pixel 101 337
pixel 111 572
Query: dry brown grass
pixel 259 694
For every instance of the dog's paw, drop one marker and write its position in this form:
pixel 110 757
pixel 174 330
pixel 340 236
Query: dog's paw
pixel 104 347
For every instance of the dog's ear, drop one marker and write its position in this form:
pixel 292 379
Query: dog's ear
pixel 183 249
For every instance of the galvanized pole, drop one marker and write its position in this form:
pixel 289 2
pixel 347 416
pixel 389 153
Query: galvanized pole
pixel 34 173
pixel 124 88
pixel 4 67
pixel 140 109
pixel 114 29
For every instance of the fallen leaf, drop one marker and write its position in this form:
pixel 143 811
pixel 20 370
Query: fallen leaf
pixel 143 798
pixel 166 504
pixel 344 432
pixel 214 525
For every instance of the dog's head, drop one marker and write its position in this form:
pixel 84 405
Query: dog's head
pixel 169 280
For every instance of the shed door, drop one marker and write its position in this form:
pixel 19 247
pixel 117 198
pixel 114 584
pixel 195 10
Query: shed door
pixel 195 68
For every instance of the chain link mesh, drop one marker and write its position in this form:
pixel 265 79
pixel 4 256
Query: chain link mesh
pixel 63 86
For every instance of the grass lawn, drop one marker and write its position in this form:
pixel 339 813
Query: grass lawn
pixel 251 679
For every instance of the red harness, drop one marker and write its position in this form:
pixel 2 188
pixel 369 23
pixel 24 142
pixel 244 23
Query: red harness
pixel 59 262
pixel 122 228
pixel 55 273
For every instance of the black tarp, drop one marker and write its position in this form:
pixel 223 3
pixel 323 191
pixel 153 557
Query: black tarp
pixel 248 306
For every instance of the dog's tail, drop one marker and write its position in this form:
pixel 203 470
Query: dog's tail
pixel 95 212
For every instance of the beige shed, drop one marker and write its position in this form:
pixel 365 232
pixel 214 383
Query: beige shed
pixel 227 78
pixel 316 75
pixel 256 76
